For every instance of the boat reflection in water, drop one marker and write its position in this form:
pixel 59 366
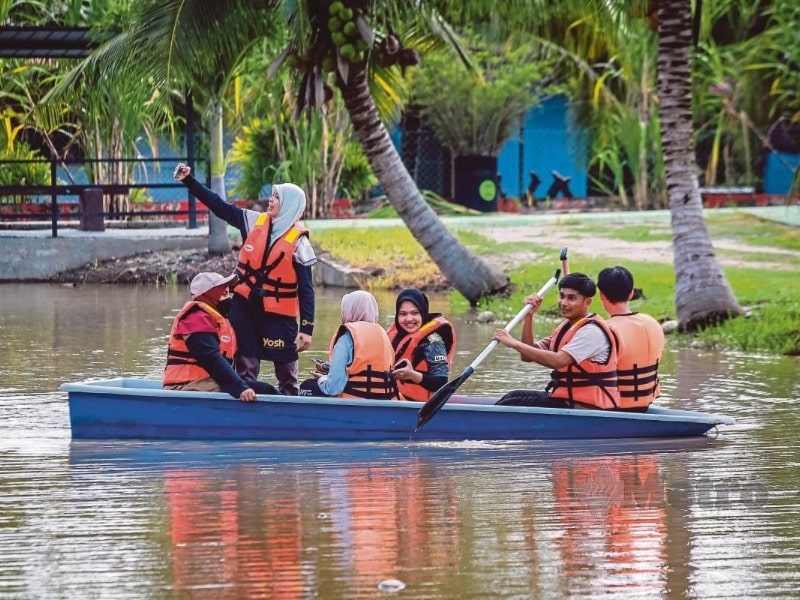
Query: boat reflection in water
pixel 612 514
pixel 447 520
pixel 392 522
pixel 237 533
pixel 292 532
pixel 223 535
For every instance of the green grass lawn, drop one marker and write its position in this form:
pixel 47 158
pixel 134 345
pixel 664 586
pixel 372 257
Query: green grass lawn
pixel 768 294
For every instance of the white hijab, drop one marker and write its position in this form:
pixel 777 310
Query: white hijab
pixel 359 306
pixel 293 203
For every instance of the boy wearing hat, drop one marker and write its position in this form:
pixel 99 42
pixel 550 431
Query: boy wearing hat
pixel 202 344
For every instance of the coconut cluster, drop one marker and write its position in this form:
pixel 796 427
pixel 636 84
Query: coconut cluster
pixel 345 34
pixel 341 36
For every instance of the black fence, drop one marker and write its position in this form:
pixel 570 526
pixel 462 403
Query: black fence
pixel 97 202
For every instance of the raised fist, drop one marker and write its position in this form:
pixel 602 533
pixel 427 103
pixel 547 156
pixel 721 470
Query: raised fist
pixel 181 171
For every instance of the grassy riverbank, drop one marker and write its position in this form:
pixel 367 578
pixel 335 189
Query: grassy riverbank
pixel 761 260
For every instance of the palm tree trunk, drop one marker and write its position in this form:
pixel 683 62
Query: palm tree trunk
pixel 218 242
pixel 702 293
pixel 470 275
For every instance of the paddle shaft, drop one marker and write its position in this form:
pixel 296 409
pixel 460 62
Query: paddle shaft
pixel 513 323
pixel 442 395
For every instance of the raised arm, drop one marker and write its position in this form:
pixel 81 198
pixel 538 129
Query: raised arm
pixel 230 213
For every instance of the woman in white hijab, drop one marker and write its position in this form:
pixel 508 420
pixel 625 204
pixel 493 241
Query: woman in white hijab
pixel 275 289
pixel 361 355
pixel 291 202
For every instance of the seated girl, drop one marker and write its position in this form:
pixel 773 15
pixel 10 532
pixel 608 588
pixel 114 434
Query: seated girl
pixel 361 356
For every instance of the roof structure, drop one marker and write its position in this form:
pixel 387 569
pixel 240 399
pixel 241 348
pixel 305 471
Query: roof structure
pixel 44 42
pixel 69 42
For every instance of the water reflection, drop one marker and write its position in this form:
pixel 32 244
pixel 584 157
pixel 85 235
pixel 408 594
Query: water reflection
pixel 479 520
pixel 53 331
pixel 224 532
pixel 298 522
pixel 699 518
pixel 612 516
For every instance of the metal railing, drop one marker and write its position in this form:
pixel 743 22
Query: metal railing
pixel 55 190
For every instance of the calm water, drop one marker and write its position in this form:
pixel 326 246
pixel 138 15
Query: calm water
pixel 713 517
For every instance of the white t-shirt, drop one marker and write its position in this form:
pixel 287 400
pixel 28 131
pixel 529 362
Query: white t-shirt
pixel 589 343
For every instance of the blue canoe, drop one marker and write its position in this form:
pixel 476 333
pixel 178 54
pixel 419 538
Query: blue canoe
pixel 140 409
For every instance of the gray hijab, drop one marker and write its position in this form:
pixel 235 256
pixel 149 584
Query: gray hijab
pixel 359 306
pixel 293 203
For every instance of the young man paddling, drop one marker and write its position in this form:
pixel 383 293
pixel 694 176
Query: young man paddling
pixel 640 338
pixel 581 351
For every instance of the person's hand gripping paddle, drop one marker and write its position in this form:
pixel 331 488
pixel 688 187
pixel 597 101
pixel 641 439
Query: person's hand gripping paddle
pixel 442 395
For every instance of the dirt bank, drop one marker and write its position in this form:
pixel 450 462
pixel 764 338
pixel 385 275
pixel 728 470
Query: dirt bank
pixel 179 266
pixel 151 268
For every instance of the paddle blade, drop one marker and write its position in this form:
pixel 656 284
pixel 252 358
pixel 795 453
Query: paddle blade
pixel 440 398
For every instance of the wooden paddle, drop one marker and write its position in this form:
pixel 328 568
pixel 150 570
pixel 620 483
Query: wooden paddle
pixel 442 395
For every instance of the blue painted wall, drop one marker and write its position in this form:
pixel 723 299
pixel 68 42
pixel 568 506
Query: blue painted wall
pixel 142 173
pixel 778 172
pixel 550 142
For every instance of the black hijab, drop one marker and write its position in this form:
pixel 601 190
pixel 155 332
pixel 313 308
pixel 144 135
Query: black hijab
pixel 419 300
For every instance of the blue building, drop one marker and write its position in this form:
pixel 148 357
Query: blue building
pixel 548 141
pixel 547 146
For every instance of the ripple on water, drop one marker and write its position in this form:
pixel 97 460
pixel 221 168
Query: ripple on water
pixel 699 518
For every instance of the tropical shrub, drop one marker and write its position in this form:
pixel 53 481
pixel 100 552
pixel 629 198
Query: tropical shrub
pixel 474 112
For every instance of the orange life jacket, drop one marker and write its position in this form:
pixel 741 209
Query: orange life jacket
pixel 408 348
pixel 181 366
pixel 588 382
pixel 370 373
pixel 268 272
pixel 641 341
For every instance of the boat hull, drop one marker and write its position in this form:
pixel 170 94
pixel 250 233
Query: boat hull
pixel 128 408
